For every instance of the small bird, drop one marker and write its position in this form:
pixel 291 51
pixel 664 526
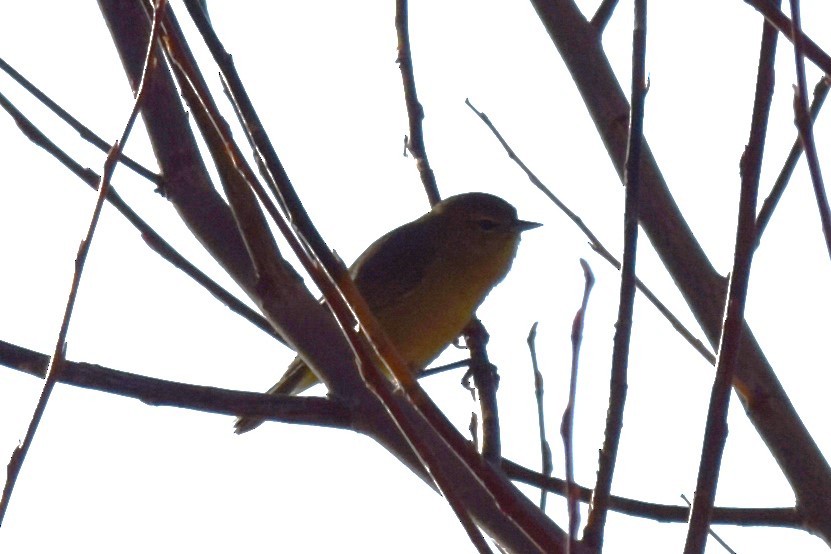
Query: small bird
pixel 424 280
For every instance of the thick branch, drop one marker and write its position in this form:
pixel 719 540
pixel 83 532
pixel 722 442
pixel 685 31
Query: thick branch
pixel 187 184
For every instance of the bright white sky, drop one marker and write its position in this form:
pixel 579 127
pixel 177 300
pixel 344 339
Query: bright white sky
pixel 110 473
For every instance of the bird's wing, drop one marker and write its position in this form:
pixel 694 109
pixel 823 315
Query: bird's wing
pixel 389 270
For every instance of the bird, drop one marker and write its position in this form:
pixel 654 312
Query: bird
pixel 424 280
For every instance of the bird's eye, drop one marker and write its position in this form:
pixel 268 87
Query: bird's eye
pixel 487 224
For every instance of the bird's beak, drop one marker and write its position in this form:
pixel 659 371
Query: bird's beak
pixel 521 225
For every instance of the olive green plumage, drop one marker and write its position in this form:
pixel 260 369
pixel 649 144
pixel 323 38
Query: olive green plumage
pixel 424 280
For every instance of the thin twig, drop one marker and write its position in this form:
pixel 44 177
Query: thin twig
pixel 545 448
pixel 415 111
pixel 567 427
pixel 806 128
pixel 57 362
pixel 715 432
pixel 85 132
pixel 596 521
pixel 169 254
pixel 764 517
pixel 769 205
pixel 152 238
pixel 771 12
pixel 594 242
pixel 442 368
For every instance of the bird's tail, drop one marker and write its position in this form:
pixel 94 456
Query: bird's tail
pixel 297 378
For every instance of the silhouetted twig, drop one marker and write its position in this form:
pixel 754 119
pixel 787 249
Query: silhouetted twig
pixel 85 132
pixel 770 10
pixel 593 533
pixel 153 239
pixel 769 205
pixel 594 242
pixel 415 111
pixel 545 448
pixel 805 127
pixel 769 517
pixel 57 361
pixel 715 432
pixel 566 429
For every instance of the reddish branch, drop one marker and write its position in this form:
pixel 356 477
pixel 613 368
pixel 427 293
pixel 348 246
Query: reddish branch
pixel 57 361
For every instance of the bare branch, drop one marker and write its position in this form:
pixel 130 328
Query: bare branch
pixel 153 239
pixel 594 242
pixel 770 10
pixel 593 533
pixel 306 410
pixel 568 415
pixel 415 112
pixel 57 361
pixel 769 517
pixel 187 183
pixel 545 448
pixel 715 433
pixel 85 132
pixel 769 205
pixel 806 128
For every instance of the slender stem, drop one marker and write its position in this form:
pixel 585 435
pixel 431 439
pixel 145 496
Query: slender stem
pixel 593 533
pixel 567 427
pixel 545 448
pixel 770 10
pixel 715 432
pixel 594 242
pixel 763 517
pixel 769 205
pixel 415 111
pixel 57 362
pixel 152 238
pixel 806 128
pixel 85 132
pixel 326 412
